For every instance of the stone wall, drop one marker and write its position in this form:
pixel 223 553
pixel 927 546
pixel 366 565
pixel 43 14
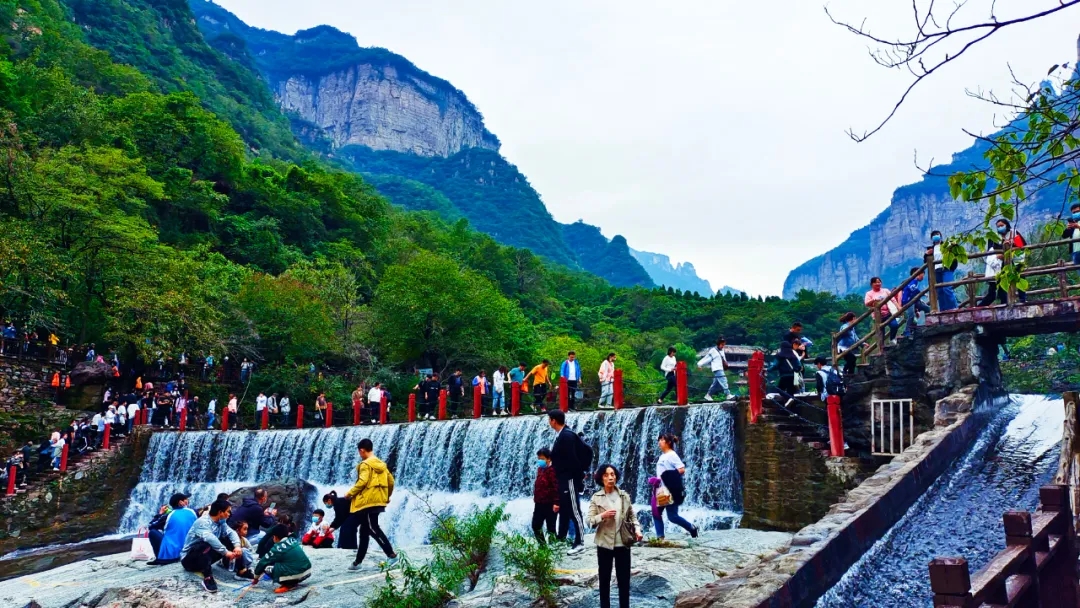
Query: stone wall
pixel 82 504
pixel 24 386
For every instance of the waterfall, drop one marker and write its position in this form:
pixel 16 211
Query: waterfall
pixel 452 465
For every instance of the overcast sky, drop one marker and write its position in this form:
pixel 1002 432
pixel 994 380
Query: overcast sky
pixel 709 130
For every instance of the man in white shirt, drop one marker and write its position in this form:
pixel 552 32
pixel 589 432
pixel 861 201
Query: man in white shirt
pixel 260 405
pixel 211 409
pixel 571 370
pixel 374 398
pixel 132 410
pixel 717 362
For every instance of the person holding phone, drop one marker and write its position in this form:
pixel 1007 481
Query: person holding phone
pixel 256 513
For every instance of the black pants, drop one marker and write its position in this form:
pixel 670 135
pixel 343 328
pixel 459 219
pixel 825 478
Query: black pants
pixel 670 386
pixel 539 393
pixel 455 404
pixel 543 514
pixel 346 534
pixel 621 558
pixel 849 364
pixel 427 406
pixel 570 508
pixel 156 536
pixel 202 556
pixel 368 522
pixel 571 396
pixel 787 384
pixel 371 411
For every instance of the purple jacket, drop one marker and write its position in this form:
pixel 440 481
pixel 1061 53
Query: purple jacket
pixel 655 483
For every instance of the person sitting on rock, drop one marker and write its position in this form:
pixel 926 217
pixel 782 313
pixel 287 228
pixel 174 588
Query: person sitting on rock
pixel 178 521
pixel 320 535
pixel 256 514
pixel 285 563
pixel 208 541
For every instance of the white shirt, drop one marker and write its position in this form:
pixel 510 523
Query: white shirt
pixel 669 461
pixel 131 409
pixel 607 372
pixel 571 371
pixel 260 403
pixel 498 379
pixel 232 405
pixel 283 405
pixel 212 406
pixel 668 364
pixel 374 395
pixel 715 358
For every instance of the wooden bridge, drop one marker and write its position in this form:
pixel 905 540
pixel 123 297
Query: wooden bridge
pixel 1050 305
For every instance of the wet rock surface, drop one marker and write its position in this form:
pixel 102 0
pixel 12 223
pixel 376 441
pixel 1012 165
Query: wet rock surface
pixel 659 574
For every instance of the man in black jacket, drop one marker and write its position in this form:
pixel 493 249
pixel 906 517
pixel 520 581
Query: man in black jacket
pixel 257 516
pixel 568 459
pixel 455 386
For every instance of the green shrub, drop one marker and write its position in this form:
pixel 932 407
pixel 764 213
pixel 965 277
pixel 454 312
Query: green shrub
pixel 463 544
pixel 420 587
pixel 533 565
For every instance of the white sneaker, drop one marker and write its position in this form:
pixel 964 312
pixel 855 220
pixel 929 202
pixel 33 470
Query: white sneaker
pixel 708 398
pixel 575 550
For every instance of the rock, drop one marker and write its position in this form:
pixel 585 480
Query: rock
pixel 294 497
pixel 947 410
pixel 89 372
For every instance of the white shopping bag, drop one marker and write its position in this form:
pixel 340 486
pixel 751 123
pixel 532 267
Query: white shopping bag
pixel 141 549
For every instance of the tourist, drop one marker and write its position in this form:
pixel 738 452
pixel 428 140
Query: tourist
pixel 887 306
pixel 994 262
pixel 45 452
pixel 911 294
pixel 821 377
pixel 285 407
pixel 211 412
pixel 210 540
pixel 132 412
pixel 667 367
pixel 342 524
pixel 248 555
pixel 427 403
pixel 253 510
pixel 286 562
pixel 846 340
pixel 717 362
pixel 1072 233
pixel 481 381
pixel 374 402
pixel 571 370
pixel 455 388
pixel 155 530
pixel 260 406
pixel 178 521
pixel 606 376
pixel 234 407
pixel 571 458
pixel 789 367
pixel 540 379
pixel 358 398
pixel 319 535
pixel 272 409
pixel 545 497
pixel 670 470
pixel 57 442
pixel 208 367
pixel 1012 239
pixel 517 374
pixel 320 407
pixel 946 298
pixel 498 391
pixel 795 333
pixel 611 512
pixel 370 495
pixel 245 371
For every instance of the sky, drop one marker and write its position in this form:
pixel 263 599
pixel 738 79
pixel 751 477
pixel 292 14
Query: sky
pixel 713 131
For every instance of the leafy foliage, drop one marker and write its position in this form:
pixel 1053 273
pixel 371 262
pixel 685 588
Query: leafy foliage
pixel 463 544
pixel 533 565
pixel 421 587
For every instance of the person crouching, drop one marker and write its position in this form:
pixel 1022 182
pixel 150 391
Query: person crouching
pixel 285 563
pixel 320 535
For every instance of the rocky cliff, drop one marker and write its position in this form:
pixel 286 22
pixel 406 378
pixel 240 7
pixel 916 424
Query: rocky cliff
pixel 678 275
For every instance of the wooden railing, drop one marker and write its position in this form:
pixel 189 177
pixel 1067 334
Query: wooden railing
pixel 1037 569
pixel 873 342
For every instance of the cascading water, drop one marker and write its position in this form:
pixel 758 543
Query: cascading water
pixel 960 515
pixel 448 465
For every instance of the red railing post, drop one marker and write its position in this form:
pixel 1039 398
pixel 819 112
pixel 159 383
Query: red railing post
pixel 682 392
pixel 329 414
pixel 108 432
pixel 836 427
pixel 299 415
pixel 183 419
pixel 384 409
pixel 755 381
pixel 12 471
pixel 617 390
pixel 412 407
pixel 356 413
pixel 564 396
pixel 515 398
pixel 442 404
pixel 64 458
pixel 225 418
pixel 477 401
pixel 265 422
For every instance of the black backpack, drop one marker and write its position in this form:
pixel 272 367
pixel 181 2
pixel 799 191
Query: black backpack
pixel 834 384
pixel 584 453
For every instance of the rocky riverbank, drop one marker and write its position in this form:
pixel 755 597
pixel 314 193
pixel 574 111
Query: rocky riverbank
pixel 659 574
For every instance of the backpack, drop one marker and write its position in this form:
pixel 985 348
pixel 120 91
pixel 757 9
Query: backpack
pixel 834 384
pixel 584 453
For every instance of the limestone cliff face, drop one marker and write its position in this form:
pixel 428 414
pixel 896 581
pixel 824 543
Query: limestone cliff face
pixel 379 107
pixel 676 275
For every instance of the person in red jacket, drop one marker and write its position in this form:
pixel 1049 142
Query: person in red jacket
pixel 545 496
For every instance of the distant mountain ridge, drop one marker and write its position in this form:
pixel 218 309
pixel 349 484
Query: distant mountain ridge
pixel 678 276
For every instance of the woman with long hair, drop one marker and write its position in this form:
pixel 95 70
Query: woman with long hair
pixel 669 471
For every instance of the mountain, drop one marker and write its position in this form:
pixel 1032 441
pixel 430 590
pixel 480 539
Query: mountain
pixel 679 276
pixel 415 136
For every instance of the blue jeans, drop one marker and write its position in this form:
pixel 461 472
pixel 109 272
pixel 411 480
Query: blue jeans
pixel 209 420
pixel 1076 258
pixel 919 305
pixel 719 381
pixel 673 516
pixel 946 299
pixel 498 401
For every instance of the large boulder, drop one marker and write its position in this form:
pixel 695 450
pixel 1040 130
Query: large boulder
pixel 295 498
pixel 89 372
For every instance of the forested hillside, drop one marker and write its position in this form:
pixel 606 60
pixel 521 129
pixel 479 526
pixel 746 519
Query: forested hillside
pixel 135 214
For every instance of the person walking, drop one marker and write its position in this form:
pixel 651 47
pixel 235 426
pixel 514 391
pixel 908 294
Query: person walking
pixel 911 294
pixel 571 458
pixel 358 398
pixel 320 407
pixel 545 497
pixel 260 406
pixel 498 391
pixel 670 470
pixel 540 379
pixel 211 412
pixel 946 297
pixel 994 262
pixel 846 341
pixel 480 380
pixel 887 305
pixel 667 367
pixel 717 362
pixel 571 370
pixel 1012 240
pixel 370 495
pixel 455 388
pixel 607 382
pixel 374 403
pixel 234 407
pixel 285 407
pixel 611 512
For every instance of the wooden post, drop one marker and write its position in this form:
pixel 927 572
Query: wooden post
pixel 442 404
pixel 1069 460
pixel 328 415
pixel 836 427
pixel 1006 246
pixel 564 395
pixel 682 392
pixel 835 351
pixel 64 458
pixel 617 390
pixel 1058 583
pixel 105 441
pixel 356 413
pixel 477 401
pixel 950 580
pixel 225 418
pixel 515 398
pixel 299 415
pixel 384 409
pixel 412 407
pixel 1063 283
pixel 264 422
pixel 12 471
pixel 931 281
pixel 879 330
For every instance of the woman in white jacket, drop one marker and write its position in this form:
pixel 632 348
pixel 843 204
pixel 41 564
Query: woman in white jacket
pixel 993 267
pixel 667 367
pixel 607 382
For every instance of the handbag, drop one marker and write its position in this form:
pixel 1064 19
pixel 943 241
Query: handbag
pixel 663 497
pixel 628 533
pixel 141 549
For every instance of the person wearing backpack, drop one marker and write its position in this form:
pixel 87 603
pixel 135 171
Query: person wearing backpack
pixel 829 381
pixel 946 297
pixel 911 293
pixel 570 457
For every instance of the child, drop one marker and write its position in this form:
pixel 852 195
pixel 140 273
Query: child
pixel 286 562
pixel 248 558
pixel 320 535
pixel 545 496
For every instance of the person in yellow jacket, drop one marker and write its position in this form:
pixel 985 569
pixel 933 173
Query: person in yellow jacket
pixel 369 496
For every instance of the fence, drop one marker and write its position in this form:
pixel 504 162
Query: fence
pixel 887 437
